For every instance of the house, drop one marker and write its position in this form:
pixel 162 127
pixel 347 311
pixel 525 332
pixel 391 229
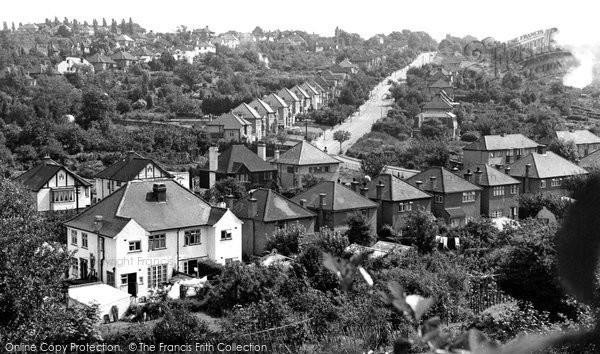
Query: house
pixel 334 203
pixel 304 159
pixel 500 194
pixel 205 34
pixel 253 117
pixel 101 62
pixel 263 212
pixel 396 198
pixel 124 41
pixel 323 92
pixel 294 103
pixel 591 162
pixel 314 94
pixel 133 167
pixel 305 101
pixel 498 149
pixel 206 47
pixel 144 55
pixel 441 85
pixel 544 172
pixel 440 107
pixel 74 65
pixel 348 66
pixel 281 107
pixel 268 114
pixel 238 162
pixel 586 141
pixel 328 89
pixel 55 188
pixel 297 40
pixel 138 236
pixel 440 74
pixel 228 40
pixel 230 126
pixel 123 59
pixel 455 199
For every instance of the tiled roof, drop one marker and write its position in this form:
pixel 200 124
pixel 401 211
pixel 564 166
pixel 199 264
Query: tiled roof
pixel 134 201
pixel 304 153
pixel 270 206
pixel 288 94
pixel 300 92
pixel 128 168
pixel 394 189
pixel 122 56
pixel 99 58
pixel 501 142
pixel 338 197
pixel 591 161
pixel 229 121
pixel 232 158
pixel 438 102
pixel 441 83
pixel 246 111
pixel 322 82
pixel 446 181
pixel 490 176
pixel 316 85
pixel 260 103
pixel 346 64
pixel 311 91
pixel 275 101
pixel 546 165
pixel 35 178
pixel 578 136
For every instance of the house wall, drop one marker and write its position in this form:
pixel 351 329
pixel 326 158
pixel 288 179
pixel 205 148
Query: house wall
pixel 105 187
pixel 256 233
pixel 338 220
pixel 472 210
pixel 223 250
pixel 471 157
pixel 504 203
pixel 389 214
pixel 535 186
pixel 62 179
pixel 288 180
pixel 586 149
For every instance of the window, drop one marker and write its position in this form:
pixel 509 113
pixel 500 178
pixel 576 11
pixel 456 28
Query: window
pixel 84 240
pixel 439 198
pixel 498 191
pixel 497 214
pixel 63 195
pixel 543 183
pixel 281 225
pixel 123 279
pixel 290 169
pixel 226 235
pixel 514 189
pixel 404 207
pixel 326 169
pixel 232 134
pixel 156 242
pixel 556 182
pixel 192 237
pixel 157 275
pixel 74 237
pixel 74 267
pixel 492 154
pixel 110 278
pixel 118 183
pixel 267 175
pixel 468 197
pixel 242 177
pixel 87 192
pixel 135 246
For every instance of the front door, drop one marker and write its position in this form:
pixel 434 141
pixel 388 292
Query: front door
pixel 132 284
pixel 83 268
pixel 191 267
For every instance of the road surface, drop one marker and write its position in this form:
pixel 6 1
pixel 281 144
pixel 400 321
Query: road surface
pixel 376 107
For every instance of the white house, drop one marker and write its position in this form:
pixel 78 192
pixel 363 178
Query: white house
pixel 135 239
pixel 73 65
pixel 56 188
pixel 205 47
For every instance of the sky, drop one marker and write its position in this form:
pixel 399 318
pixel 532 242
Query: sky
pixel 502 19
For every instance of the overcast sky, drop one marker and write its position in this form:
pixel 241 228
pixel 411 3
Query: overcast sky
pixel 502 19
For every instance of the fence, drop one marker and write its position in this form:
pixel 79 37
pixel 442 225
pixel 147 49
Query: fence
pixel 484 293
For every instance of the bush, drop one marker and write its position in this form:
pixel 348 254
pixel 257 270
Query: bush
pixel 286 241
pixel 179 327
pixel 359 230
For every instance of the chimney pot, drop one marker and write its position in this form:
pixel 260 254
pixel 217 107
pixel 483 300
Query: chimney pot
pixel 507 170
pixel 276 155
pixel 419 184
pixel 364 189
pixel 303 203
pixel 322 200
pixel 160 192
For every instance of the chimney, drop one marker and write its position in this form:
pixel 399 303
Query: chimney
pixel 468 175
pixel 321 214
pixel 213 162
pixel 159 190
pixel 229 201
pixel 303 203
pixel 379 187
pixel 526 179
pixel 364 189
pixel 97 222
pixel 507 170
pixel 541 149
pixel 262 151
pixel 419 184
pixel 276 156
pixel 478 173
pixel 252 208
pixel 354 184
pixel 130 155
pixel 433 180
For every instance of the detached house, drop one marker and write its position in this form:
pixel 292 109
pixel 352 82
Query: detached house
pixel 253 117
pixel 101 62
pixel 264 211
pixel 455 199
pixel 281 107
pixel 55 188
pixel 304 159
pixel 132 167
pixel 586 141
pixel 544 173
pixel 135 239
pixel 123 59
pixel 500 194
pixel 498 149
pixel 230 127
pixel 396 199
pixel 440 107
pixel 334 203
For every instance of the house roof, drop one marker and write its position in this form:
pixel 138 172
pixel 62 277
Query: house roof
pixel 578 136
pixel 304 153
pixel 545 166
pixel 275 101
pixel 394 189
pixel 490 176
pixel 123 37
pixel 134 202
pixel 128 168
pixel 454 212
pixel 257 102
pixel 446 181
pixel 311 91
pixel 229 121
pixel 440 83
pixel 301 91
pixel 328 75
pixel 321 82
pixel 36 177
pixel 287 93
pixel 313 83
pixel 122 56
pixel 99 58
pixel 338 197
pixel 346 64
pixel 501 142
pixel 246 111
pixel 438 102
pixel 591 161
pixel 230 160
pixel 270 206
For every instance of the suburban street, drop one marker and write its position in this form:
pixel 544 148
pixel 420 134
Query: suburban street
pixel 360 123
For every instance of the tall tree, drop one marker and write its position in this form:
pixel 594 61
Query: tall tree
pixel 341 136
pixel 4 26
pixel 104 22
pixel 130 28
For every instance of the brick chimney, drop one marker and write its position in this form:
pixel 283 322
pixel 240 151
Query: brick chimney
pixel 433 180
pixel 526 188
pixel 213 163
pixel 303 203
pixel 478 173
pixel 379 187
pixel 252 206
pixel 276 155
pixel 130 155
pixel 419 184
pixel 507 170
pixel 354 184
pixel 541 149
pixel 262 151
pixel 159 191
pixel 364 189
pixel 468 175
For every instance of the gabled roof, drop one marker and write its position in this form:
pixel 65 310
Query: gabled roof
pixel 591 161
pixel 546 165
pixel 346 64
pixel 490 176
pixel 246 111
pixel 438 102
pixel 135 201
pixel 304 153
pixel 328 75
pixel 441 83
pixel 36 177
pixel 446 181
pixel 123 37
pixel 301 91
pixel 311 91
pixel 501 142
pixel 394 189
pixel 338 197
pixel 231 159
pixel 229 121
pixel 257 102
pixel 287 93
pixel 122 56
pixel 578 136
pixel 128 168
pixel 314 84
pixel 321 82
pixel 275 101
pixel 99 58
pixel 270 206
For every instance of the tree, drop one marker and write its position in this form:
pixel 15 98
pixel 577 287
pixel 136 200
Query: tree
pixel 566 149
pixel 341 136
pixel 433 128
pixel 179 326
pixel 223 188
pixel 420 229
pixel 104 23
pixel 359 230
pixel 97 106
pixel 374 163
pixel 286 241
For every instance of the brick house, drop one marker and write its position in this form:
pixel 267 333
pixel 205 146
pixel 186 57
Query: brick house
pixel 500 194
pixel 498 149
pixel 585 141
pixel 314 94
pixel 305 100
